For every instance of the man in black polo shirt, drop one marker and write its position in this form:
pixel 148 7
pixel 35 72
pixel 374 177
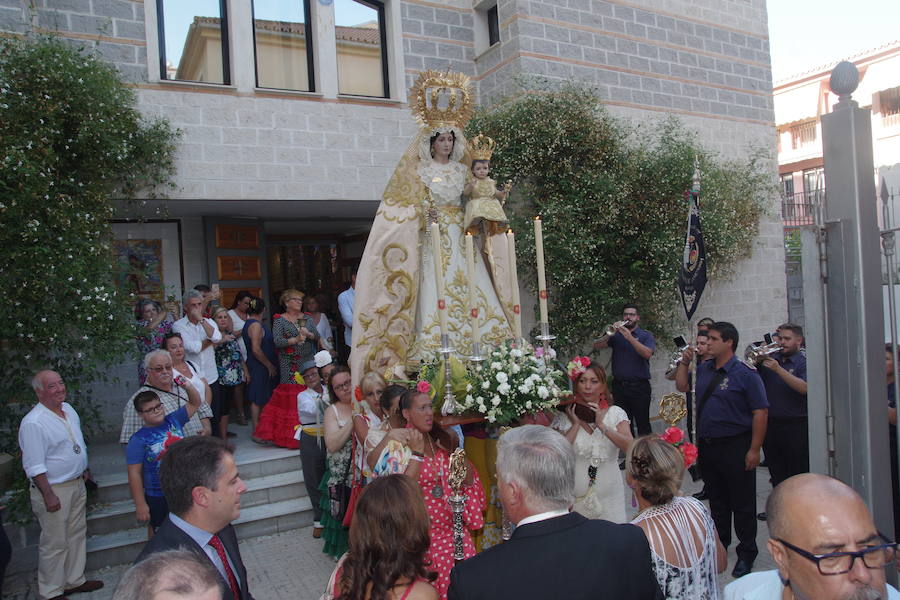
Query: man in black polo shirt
pixel 731 426
pixel 787 434
pixel 632 348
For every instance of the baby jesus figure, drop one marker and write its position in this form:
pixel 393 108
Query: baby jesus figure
pixel 485 205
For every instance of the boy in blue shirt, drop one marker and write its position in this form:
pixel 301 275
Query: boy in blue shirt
pixel 146 447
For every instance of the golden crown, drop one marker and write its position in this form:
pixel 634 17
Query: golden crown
pixel 442 99
pixel 481 147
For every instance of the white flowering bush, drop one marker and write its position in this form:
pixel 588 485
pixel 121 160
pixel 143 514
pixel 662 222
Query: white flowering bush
pixel 512 382
pixel 71 143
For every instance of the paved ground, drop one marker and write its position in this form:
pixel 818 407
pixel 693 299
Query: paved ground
pixel 291 566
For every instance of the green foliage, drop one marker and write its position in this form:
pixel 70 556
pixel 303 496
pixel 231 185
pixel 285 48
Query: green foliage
pixel 72 142
pixel 612 200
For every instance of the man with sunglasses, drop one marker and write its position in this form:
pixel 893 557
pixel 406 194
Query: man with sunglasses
pixel 825 544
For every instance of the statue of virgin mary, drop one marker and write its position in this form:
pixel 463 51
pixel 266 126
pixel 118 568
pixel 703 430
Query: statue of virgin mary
pixel 395 320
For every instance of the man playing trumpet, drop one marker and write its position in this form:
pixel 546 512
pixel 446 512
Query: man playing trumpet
pixel 632 348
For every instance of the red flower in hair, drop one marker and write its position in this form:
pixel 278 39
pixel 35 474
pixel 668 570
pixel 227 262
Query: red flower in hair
pixel 584 360
pixel 423 387
pixel 357 393
pixel 689 451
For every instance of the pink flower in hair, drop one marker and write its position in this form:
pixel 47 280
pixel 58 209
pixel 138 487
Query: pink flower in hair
pixel 423 387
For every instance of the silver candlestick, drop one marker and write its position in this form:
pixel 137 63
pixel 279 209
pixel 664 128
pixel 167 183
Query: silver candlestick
pixel 476 356
pixel 545 338
pixel 449 406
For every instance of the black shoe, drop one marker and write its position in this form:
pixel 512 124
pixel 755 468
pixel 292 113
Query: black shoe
pixel 741 568
pixel 762 516
pixel 702 495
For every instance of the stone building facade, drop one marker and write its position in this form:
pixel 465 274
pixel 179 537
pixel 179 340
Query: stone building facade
pixel 307 168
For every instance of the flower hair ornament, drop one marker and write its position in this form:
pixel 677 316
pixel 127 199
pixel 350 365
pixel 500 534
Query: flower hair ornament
pixel 423 387
pixel 577 366
pixel 675 436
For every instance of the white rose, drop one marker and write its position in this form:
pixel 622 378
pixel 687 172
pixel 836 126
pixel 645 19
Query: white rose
pixel 543 392
pixel 516 368
pixel 504 389
pixel 485 385
pixel 502 377
pixel 491 418
pixel 528 404
pixel 523 388
pixel 516 352
pixel 495 401
pixel 468 387
pixel 496 366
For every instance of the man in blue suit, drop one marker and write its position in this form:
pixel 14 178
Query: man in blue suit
pixel 201 483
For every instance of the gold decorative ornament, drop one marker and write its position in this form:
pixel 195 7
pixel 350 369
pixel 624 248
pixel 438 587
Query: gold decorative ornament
pixel 481 147
pixel 442 99
pixel 672 408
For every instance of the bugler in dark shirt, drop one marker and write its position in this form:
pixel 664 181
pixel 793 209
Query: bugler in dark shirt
pixel 729 409
pixel 626 362
pixel 784 402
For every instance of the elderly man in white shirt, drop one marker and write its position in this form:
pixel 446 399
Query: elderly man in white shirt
pixel 54 457
pixel 200 335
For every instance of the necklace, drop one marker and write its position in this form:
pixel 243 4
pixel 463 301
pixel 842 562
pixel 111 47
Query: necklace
pixel 75 447
pixel 438 490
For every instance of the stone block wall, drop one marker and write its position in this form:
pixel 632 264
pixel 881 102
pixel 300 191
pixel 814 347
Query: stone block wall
pixel 115 28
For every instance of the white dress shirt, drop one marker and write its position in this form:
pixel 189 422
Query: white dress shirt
pixel 193 336
pixel 542 517
pixel 48 444
pixel 202 538
pixel 345 304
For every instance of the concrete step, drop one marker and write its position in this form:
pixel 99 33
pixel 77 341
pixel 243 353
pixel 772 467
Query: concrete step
pixel 119 515
pixel 275 501
pixel 123 546
pixel 253 461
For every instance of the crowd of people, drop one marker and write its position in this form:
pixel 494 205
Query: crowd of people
pixel 377 468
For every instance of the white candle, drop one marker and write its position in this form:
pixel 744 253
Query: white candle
pixel 542 278
pixel 473 296
pixel 439 276
pixel 514 284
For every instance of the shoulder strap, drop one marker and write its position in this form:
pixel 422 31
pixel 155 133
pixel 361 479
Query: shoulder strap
pixel 718 376
pixel 408 590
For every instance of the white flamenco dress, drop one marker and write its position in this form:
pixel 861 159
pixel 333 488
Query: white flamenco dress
pixel 604 498
pixel 395 321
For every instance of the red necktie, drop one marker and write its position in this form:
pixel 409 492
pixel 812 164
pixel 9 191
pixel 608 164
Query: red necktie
pixel 216 543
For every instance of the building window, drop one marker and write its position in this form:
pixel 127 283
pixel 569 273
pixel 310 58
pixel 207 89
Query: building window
pixel 803 135
pixel 813 185
pixel 361 39
pixel 282 41
pixel 787 185
pixel 493 23
pixel 193 40
pixel 889 106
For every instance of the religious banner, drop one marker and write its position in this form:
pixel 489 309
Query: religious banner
pixel 692 274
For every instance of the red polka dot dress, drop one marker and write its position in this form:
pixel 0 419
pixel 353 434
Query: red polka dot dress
pixel 433 476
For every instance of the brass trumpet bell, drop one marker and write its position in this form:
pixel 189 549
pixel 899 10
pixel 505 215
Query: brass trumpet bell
pixel 755 355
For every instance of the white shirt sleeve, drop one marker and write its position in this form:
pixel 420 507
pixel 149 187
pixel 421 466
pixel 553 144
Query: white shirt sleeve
pixel 217 335
pixel 345 304
pixel 31 441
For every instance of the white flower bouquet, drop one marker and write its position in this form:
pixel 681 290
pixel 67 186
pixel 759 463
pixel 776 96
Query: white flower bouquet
pixel 512 382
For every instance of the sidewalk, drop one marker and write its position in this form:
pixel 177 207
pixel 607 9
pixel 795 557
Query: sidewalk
pixel 291 566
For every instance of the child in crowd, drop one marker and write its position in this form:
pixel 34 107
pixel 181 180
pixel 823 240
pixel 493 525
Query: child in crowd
pixel 484 205
pixel 146 447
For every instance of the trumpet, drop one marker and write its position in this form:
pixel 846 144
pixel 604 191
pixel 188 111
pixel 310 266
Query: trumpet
pixel 611 331
pixel 677 358
pixel 756 353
